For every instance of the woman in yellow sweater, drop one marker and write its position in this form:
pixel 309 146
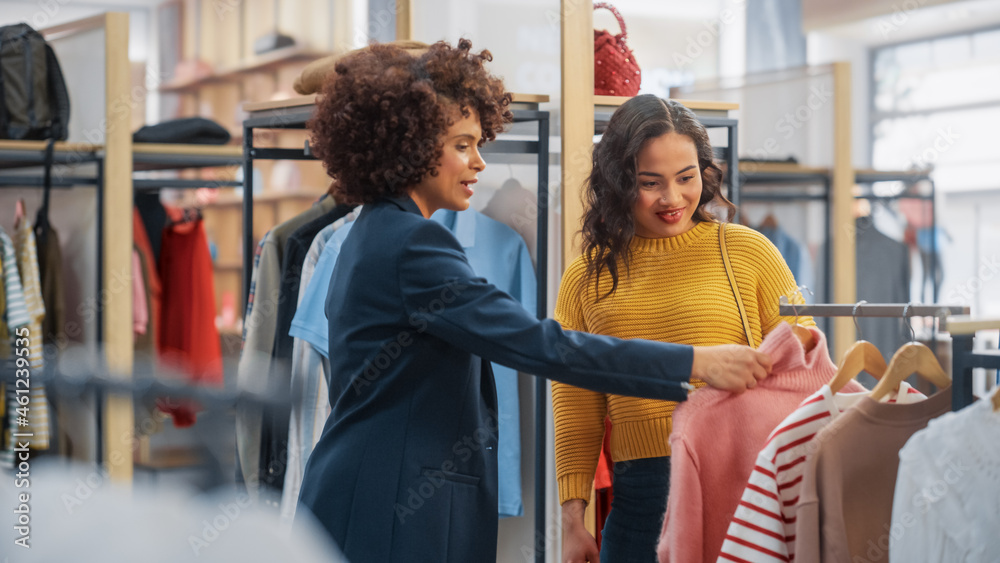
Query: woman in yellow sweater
pixel 651 268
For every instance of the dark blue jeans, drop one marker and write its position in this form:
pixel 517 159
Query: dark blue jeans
pixel 633 526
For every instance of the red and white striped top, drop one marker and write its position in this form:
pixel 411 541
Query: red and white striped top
pixel 763 528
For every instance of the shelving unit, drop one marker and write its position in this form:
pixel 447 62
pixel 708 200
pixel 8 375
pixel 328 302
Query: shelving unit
pixel 258 63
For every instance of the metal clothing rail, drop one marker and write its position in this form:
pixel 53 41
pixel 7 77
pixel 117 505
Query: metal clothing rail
pixel 267 116
pixel 953 318
pixel 885 310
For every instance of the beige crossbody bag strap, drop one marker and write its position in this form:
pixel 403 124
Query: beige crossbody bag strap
pixel 732 284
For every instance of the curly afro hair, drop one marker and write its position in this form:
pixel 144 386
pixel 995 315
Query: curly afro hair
pixel 380 119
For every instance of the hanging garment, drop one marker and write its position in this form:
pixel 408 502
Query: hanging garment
pixel 154 288
pixel 154 219
pixel 310 322
pixel 763 526
pixel 945 506
pixel 716 438
pixel 309 392
pixel 844 509
pixel 516 207
pixel 796 255
pixel 883 276
pixel 16 316
pixel 496 252
pixel 140 307
pixel 259 326
pixel 50 270
pixel 189 339
pixel 4 333
pixel 31 284
pixel 274 426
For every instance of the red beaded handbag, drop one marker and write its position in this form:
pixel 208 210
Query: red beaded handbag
pixel 615 71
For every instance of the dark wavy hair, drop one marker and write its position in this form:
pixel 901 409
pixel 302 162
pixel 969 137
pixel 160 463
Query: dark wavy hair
pixel 612 188
pixel 380 118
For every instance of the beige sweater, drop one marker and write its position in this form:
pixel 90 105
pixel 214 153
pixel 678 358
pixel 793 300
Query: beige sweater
pixel 845 507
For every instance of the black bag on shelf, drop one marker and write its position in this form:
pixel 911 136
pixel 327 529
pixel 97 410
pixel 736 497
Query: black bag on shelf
pixel 192 130
pixel 34 102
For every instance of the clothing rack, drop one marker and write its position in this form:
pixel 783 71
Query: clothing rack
pixel 15 155
pixel 295 113
pixel 963 359
pixel 953 318
pixel 909 179
pixel 774 173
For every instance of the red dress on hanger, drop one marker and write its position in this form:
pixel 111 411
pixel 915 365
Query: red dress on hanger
pixel 189 339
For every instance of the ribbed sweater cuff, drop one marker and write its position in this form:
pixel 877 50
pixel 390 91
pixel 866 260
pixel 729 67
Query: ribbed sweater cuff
pixel 575 486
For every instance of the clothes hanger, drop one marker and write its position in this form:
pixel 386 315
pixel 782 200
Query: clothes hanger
pixel 911 358
pixel 996 401
pixel 861 356
pixel 19 213
pixel 769 222
pixel 803 334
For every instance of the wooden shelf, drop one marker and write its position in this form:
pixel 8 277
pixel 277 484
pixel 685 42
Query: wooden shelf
pixel 965 324
pixel 258 63
pixel 301 101
pixel 694 105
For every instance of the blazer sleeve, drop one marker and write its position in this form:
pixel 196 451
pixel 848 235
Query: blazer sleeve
pixel 443 297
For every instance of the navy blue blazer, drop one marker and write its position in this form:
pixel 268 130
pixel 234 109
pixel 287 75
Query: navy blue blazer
pixel 406 467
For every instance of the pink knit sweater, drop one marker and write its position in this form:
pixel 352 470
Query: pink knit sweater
pixel 715 440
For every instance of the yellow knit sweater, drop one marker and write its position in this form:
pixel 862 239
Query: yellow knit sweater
pixel 676 290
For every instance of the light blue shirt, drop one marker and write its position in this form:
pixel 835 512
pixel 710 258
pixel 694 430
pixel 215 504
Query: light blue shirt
pixel 310 322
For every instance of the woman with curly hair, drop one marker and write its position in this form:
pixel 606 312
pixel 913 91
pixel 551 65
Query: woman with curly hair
pixel 406 467
pixel 651 268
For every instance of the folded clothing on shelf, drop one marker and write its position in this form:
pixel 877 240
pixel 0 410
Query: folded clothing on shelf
pixel 190 130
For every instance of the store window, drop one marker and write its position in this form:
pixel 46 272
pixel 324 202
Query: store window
pixel 936 103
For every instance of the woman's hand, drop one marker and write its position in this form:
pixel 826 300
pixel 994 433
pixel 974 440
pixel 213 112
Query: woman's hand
pixel 731 367
pixel 578 545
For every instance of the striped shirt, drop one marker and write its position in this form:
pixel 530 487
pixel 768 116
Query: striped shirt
pixel 253 287
pixel 31 284
pixel 763 528
pixel 16 316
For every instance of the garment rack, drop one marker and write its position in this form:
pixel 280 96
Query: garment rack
pixel 963 331
pixel 954 318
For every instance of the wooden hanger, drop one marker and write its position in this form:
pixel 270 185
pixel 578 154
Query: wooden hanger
pixel 996 401
pixel 19 213
pixel 861 356
pixel 769 222
pixel 803 334
pixel 912 358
